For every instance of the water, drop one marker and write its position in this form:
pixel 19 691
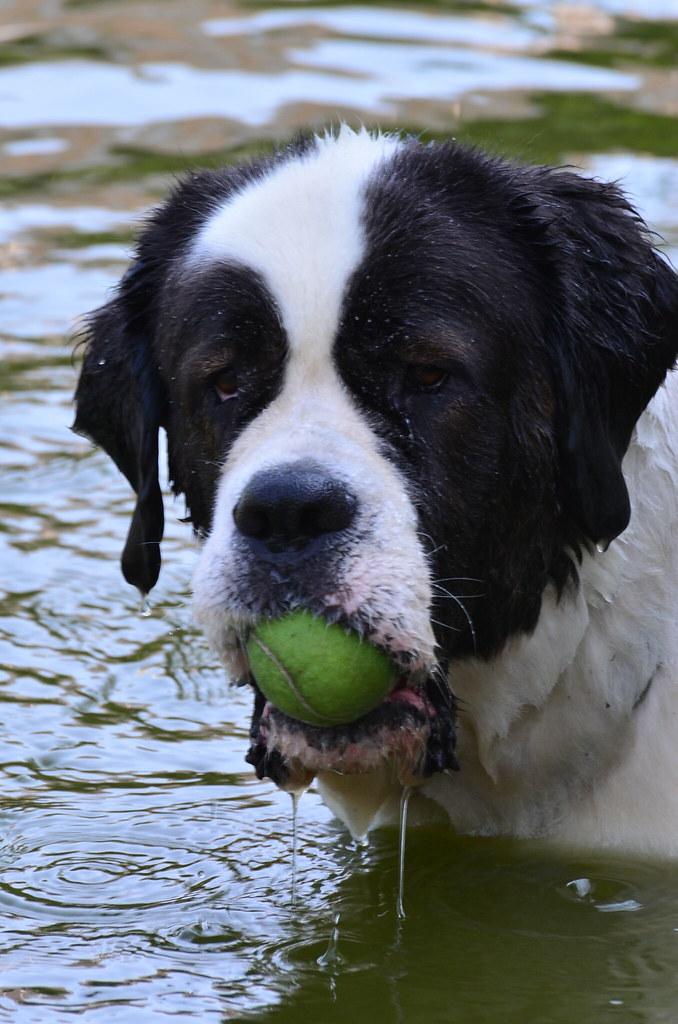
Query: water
pixel 331 958
pixel 144 872
pixel 402 839
pixel 295 797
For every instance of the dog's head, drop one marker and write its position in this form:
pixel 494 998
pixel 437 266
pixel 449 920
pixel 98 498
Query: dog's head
pixel 397 382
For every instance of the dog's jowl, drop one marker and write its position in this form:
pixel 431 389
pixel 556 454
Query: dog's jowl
pixel 425 394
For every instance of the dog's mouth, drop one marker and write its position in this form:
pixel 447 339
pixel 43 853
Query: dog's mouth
pixel 413 729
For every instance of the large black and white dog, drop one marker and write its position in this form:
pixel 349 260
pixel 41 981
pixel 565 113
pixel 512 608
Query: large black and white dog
pixel 422 392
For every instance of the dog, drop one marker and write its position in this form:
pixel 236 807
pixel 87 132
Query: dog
pixel 425 393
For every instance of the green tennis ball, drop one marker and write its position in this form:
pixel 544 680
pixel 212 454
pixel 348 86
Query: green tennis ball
pixel 318 673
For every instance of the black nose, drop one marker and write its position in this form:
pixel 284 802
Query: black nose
pixel 289 506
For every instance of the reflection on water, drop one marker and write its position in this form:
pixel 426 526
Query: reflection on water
pixel 634 8
pixel 35 147
pixel 144 873
pixel 384 23
pixel 358 75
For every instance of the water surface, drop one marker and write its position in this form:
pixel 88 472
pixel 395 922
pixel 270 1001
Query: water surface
pixel 144 873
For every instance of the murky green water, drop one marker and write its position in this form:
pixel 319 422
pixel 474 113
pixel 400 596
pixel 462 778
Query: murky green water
pixel 144 873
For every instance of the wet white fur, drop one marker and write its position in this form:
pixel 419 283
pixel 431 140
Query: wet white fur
pixel 550 743
pixel 300 228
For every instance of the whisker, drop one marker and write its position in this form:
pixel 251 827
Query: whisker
pixel 444 678
pixel 446 594
pixel 443 689
pixel 429 538
pixel 439 676
pixel 469 620
pixel 454 579
pixel 467 616
pixel 445 625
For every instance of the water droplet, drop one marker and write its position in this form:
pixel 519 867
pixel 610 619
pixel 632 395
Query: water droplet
pixel 331 957
pixel 102 362
pixel 582 887
pixel 145 611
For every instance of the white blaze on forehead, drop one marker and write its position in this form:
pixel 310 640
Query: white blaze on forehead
pixel 300 227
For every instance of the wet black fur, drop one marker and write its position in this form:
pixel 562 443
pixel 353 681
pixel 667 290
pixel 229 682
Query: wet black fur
pixel 556 320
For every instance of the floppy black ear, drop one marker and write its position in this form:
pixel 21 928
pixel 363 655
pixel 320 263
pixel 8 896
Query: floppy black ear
pixel 119 405
pixel 614 336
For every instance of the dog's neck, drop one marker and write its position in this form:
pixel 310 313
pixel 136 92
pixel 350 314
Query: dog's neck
pixel 555 714
pixel 570 732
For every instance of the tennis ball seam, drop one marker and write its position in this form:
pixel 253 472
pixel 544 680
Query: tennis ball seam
pixel 284 671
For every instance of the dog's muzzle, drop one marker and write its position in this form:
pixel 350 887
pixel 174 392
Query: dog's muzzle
pixel 283 513
pixel 301 536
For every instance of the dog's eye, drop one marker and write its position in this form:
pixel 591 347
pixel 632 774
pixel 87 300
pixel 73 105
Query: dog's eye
pixel 426 377
pixel 226 385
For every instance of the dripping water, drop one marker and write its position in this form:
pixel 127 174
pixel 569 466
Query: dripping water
pixel 295 796
pixel 404 802
pixel 331 958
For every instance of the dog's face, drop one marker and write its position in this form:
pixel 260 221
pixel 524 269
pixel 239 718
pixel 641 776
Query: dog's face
pixel 397 382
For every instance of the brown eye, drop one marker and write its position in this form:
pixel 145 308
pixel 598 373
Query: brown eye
pixel 428 377
pixel 226 385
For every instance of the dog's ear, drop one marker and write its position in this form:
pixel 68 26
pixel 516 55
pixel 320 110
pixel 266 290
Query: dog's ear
pixel 119 406
pixel 614 335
